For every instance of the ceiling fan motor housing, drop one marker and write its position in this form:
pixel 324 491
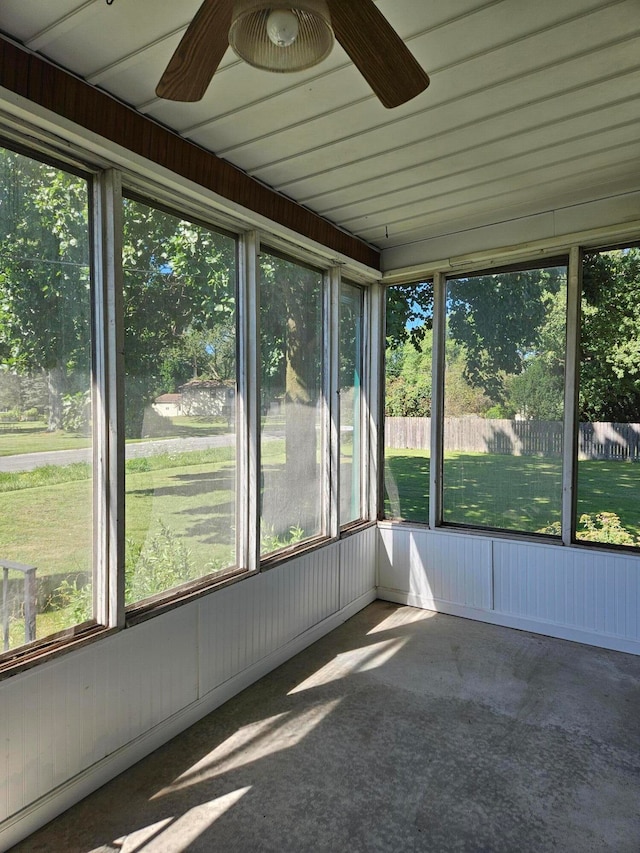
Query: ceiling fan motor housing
pixel 249 37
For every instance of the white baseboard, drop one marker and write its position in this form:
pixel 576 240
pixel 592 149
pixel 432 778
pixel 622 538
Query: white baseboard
pixel 506 620
pixel 37 814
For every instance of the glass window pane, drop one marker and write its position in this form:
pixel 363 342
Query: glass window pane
pixel 407 430
pixel 608 509
pixel 350 402
pixel 45 401
pixel 180 385
pixel 292 440
pixel 504 400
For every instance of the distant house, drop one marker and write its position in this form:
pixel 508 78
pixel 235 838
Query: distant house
pixel 207 398
pixel 168 405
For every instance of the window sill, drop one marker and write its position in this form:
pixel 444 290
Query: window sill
pixel 25 658
pixel 165 602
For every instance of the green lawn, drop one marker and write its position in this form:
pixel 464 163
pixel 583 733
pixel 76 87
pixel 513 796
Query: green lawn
pixel 32 437
pixel 520 493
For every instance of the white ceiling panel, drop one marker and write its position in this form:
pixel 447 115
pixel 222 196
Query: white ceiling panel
pixel 532 106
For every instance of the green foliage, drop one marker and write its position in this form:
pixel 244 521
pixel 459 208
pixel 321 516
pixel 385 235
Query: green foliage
pixel 45 311
pixel 75 598
pixel 179 305
pixel 538 392
pixel 610 358
pixel 45 475
pixel 270 541
pixel 163 563
pixel 76 412
pixel 409 313
pixel 408 372
pixel 499 319
pixel 605 527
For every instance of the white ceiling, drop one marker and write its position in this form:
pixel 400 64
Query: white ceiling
pixel 532 106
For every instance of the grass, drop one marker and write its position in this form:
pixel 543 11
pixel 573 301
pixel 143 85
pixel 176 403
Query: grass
pixel 32 437
pixel 520 493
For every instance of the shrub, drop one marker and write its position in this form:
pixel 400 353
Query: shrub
pixel 605 527
pixel 270 541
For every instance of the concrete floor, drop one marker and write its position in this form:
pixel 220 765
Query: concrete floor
pixel 400 731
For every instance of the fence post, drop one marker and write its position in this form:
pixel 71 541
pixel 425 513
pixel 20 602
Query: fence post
pixel 5 607
pixel 30 605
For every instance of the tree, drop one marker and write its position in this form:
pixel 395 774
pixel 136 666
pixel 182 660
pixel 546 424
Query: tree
pixel 499 319
pixel 179 305
pixel 291 330
pixel 610 339
pixel 409 313
pixel 179 288
pixel 45 307
pixel 408 376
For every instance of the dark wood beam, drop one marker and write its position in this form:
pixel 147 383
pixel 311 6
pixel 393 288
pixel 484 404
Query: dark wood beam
pixel 51 87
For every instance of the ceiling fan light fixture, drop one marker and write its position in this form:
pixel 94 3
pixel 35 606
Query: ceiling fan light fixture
pixel 281 37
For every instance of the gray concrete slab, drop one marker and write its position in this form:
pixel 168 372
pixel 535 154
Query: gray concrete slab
pixel 400 731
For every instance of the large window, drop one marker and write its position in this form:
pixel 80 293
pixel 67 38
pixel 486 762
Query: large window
pixel 608 506
pixel 407 430
pixel 46 483
pixel 180 387
pixel 350 369
pixel 504 400
pixel 293 434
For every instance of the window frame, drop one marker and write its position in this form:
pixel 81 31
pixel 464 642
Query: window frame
pixel 108 183
pixel 552 253
pixel 27 655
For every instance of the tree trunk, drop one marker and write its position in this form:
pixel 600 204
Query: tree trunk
pixel 56 387
pixel 301 402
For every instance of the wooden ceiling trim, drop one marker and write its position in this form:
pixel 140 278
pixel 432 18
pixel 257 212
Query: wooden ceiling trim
pixel 54 89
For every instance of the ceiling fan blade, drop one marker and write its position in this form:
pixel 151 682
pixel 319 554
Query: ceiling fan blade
pixel 199 53
pixel 377 51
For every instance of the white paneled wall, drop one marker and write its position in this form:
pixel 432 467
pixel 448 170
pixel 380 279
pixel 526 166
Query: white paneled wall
pixel 359 553
pixel 69 725
pixel 578 593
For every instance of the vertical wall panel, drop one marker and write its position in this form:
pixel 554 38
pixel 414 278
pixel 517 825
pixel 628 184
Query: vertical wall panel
pixel 357 566
pixel 436 566
pixel 394 565
pixel 248 621
pixel 61 717
pixel 591 591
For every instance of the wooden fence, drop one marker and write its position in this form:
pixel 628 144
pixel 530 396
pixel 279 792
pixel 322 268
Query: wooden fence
pixel 517 438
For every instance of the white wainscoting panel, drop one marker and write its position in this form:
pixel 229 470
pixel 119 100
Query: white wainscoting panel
pixel 358 565
pixel 249 620
pixel 592 591
pixel 589 595
pixel 63 716
pixel 69 725
pixel 435 567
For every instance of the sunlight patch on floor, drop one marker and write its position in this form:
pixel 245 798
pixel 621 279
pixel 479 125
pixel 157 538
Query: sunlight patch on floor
pixel 351 663
pixel 252 743
pixel 177 833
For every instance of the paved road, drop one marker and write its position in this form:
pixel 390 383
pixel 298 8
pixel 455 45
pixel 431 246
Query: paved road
pixel 29 461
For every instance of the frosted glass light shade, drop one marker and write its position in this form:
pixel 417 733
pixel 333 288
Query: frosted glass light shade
pixel 250 39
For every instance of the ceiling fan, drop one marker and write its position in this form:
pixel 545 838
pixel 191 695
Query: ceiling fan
pixel 283 37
